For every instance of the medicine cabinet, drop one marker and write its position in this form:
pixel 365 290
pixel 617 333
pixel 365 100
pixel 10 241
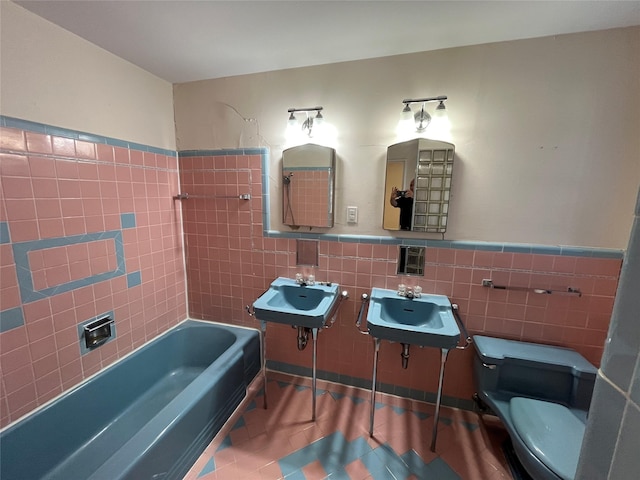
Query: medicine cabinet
pixel 418 185
pixel 308 182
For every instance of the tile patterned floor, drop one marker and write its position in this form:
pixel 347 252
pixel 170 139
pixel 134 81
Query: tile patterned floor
pixel 283 442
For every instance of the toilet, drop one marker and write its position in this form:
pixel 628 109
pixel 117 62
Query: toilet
pixel 541 393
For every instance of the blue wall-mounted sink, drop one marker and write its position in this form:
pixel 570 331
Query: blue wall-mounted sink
pixel 427 321
pixel 302 305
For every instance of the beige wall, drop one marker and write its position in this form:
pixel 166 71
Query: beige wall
pixel 546 132
pixel 51 76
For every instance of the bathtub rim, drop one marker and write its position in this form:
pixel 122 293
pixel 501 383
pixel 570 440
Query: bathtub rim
pixel 90 377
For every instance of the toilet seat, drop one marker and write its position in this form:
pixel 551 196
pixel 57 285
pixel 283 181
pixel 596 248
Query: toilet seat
pixel 551 432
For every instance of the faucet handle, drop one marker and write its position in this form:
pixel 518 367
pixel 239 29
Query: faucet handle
pixel 417 291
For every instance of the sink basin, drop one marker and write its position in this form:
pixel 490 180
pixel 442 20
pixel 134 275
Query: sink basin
pixel 427 321
pixel 304 306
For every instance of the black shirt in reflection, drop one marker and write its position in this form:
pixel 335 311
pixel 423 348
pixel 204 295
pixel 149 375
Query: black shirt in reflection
pixel 405 204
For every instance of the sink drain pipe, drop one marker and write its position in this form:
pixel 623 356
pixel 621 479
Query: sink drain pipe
pixel 303 337
pixel 405 355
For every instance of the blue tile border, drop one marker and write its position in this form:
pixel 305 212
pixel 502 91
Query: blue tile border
pixel 266 199
pixel 454 244
pixel 5 237
pixel 128 220
pixel 11 122
pixel 134 279
pixel 25 280
pixel 11 318
pixel 222 152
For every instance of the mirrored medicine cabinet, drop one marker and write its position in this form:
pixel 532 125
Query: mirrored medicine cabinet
pixel 411 260
pixel 418 185
pixel 308 183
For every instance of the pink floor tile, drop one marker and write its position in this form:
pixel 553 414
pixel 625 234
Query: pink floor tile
pixel 267 444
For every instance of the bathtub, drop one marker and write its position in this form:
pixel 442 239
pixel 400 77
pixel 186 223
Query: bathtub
pixel 148 416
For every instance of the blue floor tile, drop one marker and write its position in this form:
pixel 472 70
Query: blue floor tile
pixel 392 461
pixel 470 426
pixel 416 465
pixel 226 443
pixel 208 468
pixel 340 474
pixel 376 466
pixel 440 470
pixel 239 423
pixel 398 410
pixel 295 475
pixel 421 415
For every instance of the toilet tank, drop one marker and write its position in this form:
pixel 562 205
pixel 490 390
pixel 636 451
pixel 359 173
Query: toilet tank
pixel 508 368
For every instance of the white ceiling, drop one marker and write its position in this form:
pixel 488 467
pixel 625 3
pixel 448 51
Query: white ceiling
pixel 186 40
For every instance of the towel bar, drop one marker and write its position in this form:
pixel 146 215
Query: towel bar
pixel 543 291
pixel 186 196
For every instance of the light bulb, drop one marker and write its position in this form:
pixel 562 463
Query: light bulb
pixel 292 122
pixel 422 119
pixel 407 114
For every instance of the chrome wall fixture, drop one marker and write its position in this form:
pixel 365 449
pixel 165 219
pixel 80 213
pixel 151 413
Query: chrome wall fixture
pixel 310 122
pixel 421 118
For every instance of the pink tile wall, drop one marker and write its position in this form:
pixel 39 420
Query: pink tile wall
pixel 230 263
pixel 59 187
pixel 55 266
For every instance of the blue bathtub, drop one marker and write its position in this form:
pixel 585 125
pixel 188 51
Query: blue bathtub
pixel 147 417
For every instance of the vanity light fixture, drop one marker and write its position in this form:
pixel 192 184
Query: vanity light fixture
pixel 421 119
pixel 309 122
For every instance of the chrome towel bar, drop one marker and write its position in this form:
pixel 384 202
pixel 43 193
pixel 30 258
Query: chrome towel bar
pixel 186 196
pixel 542 291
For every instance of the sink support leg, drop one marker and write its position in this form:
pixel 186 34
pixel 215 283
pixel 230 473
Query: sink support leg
pixel 376 346
pixel 263 338
pixel 314 334
pixel 434 435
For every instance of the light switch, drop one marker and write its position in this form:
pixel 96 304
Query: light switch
pixel 352 214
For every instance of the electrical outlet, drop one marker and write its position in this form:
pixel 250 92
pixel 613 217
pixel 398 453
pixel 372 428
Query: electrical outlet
pixel 352 215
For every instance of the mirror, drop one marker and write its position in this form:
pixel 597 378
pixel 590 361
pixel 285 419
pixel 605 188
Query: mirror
pixel 307 252
pixel 418 185
pixel 411 260
pixel 308 174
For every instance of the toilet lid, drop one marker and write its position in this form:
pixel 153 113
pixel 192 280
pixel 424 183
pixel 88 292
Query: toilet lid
pixel 551 432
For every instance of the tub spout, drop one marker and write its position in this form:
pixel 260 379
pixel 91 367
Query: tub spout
pixel 405 355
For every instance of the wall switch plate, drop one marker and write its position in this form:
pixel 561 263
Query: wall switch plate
pixel 352 214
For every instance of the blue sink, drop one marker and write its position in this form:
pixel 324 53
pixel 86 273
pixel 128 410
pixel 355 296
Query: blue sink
pixel 427 321
pixel 290 303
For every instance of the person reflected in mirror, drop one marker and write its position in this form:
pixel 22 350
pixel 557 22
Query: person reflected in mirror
pixel 403 199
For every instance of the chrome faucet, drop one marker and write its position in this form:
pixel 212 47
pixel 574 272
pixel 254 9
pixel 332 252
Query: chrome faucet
pixel 302 281
pixel 409 292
